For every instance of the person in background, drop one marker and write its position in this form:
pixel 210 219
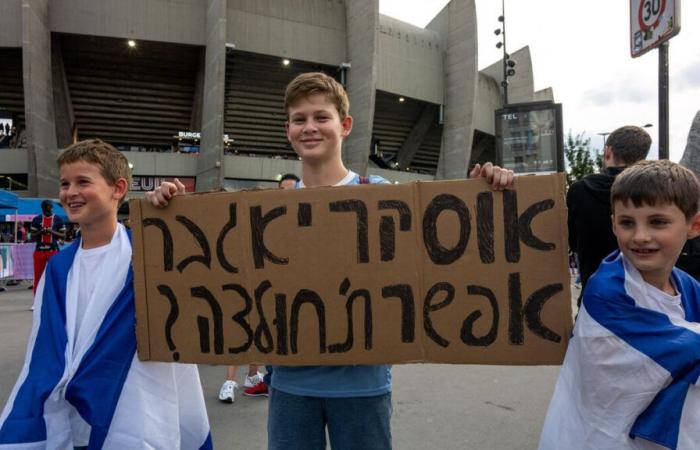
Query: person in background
pixel 47 229
pixel 588 200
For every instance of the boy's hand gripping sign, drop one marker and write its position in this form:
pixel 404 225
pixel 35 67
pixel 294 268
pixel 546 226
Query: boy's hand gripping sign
pixel 442 272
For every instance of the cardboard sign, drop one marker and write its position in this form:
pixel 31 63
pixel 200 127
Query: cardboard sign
pixel 442 272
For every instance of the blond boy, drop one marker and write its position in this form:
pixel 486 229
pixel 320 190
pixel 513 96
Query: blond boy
pixel 82 385
pixel 630 377
pixel 353 403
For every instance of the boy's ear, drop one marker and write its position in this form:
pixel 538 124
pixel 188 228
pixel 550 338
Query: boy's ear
pixel 694 230
pixel 347 126
pixel 120 188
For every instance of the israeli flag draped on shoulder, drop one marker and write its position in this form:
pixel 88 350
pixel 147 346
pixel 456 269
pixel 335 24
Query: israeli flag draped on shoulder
pixel 630 376
pixel 82 383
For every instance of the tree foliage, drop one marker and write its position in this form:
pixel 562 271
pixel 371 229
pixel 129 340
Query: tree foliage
pixel 579 159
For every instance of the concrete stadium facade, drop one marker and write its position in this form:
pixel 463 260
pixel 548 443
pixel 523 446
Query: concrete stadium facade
pixel 218 68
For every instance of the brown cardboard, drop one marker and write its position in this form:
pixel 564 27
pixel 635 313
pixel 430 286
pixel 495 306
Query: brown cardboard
pixel 431 260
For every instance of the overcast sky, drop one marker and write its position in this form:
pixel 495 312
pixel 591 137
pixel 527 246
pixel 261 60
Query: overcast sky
pixel 581 48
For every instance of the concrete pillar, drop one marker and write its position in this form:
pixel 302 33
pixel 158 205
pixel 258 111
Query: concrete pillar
pixel 210 171
pixel 38 99
pixel 196 119
pixel 63 106
pixel 362 31
pixel 460 90
pixel 415 138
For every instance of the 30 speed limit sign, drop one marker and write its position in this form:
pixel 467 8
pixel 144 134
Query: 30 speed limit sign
pixel 651 23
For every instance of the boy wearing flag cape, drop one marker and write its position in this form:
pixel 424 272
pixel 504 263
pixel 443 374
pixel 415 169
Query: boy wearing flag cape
pixel 630 376
pixel 82 384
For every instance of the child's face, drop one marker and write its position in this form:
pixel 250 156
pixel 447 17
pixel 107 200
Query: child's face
pixel 315 130
pixel 85 194
pixel 651 237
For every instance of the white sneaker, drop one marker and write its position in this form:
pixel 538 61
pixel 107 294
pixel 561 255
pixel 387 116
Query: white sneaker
pixel 252 381
pixel 226 394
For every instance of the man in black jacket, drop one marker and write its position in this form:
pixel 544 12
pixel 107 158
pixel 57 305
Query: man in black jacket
pixel 588 200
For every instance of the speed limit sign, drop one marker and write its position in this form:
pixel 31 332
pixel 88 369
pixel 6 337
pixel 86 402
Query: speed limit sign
pixel 651 23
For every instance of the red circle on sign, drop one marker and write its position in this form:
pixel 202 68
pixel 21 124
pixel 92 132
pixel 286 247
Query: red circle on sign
pixel 644 26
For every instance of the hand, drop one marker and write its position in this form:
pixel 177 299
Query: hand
pixel 161 196
pixel 498 177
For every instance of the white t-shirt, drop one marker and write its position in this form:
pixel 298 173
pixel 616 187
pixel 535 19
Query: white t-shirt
pixel 91 262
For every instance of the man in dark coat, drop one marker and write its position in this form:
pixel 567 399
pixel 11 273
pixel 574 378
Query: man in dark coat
pixel 588 200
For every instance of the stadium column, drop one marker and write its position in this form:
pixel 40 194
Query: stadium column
pixel 210 162
pixel 38 99
pixel 362 31
pixel 460 90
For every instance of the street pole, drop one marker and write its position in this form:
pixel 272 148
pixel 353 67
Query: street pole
pixel 505 67
pixel 663 101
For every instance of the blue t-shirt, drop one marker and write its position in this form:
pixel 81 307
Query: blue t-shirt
pixel 335 381
pixel 46 242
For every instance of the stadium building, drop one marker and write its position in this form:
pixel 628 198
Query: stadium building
pixel 194 88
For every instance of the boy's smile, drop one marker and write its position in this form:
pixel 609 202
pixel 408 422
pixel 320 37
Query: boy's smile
pixel 652 237
pixel 315 130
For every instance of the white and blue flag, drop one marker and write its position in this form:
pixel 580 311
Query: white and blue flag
pixel 82 383
pixel 630 376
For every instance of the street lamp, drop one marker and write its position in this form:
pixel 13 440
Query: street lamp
pixel 508 64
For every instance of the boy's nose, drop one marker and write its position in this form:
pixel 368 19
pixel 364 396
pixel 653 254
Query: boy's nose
pixel 641 234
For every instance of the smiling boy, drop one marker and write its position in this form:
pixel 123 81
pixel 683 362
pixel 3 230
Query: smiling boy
pixel 353 403
pixel 630 377
pixel 82 384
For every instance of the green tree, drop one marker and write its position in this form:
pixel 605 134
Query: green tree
pixel 579 159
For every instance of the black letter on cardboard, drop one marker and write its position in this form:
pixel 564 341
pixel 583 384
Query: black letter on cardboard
pixel 359 208
pixel 531 312
pixel 387 230
pixel 349 341
pixel 231 224
pixel 167 240
pixel 204 293
pixel 467 332
pixel 258 222
pixel 262 332
pixel 429 307
pixel 308 296
pixel 439 254
pixel 408 309
pixel 240 317
pixel 172 317
pixel 198 234
pixel 484 226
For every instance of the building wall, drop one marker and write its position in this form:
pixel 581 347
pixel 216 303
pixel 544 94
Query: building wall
pixel 179 21
pixel 309 30
pixel 410 61
pixel 490 98
pixel 11 23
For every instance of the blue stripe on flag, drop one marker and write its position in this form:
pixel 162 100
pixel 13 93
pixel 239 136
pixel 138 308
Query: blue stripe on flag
pixel 25 422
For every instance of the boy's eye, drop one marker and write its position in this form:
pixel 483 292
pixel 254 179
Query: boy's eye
pixel 625 223
pixel 659 222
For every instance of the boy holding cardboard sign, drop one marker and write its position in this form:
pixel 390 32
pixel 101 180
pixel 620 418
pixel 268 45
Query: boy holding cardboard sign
pixel 82 385
pixel 630 377
pixel 352 402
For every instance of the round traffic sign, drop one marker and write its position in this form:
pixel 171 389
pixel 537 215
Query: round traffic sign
pixel 650 12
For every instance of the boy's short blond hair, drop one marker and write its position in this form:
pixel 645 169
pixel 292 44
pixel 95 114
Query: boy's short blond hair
pixel 656 183
pixel 312 83
pixel 112 163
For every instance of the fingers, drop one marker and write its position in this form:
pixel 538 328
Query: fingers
pixel 476 171
pixel 498 177
pixel 162 195
pixel 180 187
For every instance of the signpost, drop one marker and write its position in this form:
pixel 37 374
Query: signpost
pixel 652 24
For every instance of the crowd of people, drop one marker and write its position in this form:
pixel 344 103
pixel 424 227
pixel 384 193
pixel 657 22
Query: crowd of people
pixel 629 379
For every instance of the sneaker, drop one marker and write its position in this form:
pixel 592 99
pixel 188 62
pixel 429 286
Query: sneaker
pixel 259 390
pixel 252 381
pixel 226 394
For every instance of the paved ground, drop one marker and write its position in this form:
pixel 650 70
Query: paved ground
pixel 435 406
